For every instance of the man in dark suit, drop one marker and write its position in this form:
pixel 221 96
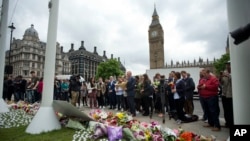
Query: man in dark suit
pixel 130 89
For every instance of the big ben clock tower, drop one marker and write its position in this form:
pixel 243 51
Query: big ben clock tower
pixel 156 43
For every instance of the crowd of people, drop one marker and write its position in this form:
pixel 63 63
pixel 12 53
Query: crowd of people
pixel 137 94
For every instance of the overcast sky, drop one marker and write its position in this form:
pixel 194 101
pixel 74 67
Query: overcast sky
pixel 192 29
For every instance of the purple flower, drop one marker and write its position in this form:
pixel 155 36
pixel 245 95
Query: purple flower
pixel 114 133
pixel 100 130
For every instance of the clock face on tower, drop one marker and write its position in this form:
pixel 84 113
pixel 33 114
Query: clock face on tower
pixel 154 33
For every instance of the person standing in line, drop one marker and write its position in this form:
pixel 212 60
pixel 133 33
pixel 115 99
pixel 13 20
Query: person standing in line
pixel 101 88
pixel 130 89
pixel 40 89
pixel 111 93
pixel 138 94
pixel 124 96
pixel 20 88
pixel 170 96
pixel 5 88
pixel 65 90
pixel 200 92
pixel 146 92
pixel 56 89
pixel 33 87
pixel 119 90
pixel 179 98
pixel 10 87
pixel 227 101
pixel 74 90
pixel 211 99
pixel 84 93
pixel 106 94
pixel 188 93
pixel 92 90
pixel 162 94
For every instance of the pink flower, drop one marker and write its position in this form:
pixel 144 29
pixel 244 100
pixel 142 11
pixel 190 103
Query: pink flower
pixel 176 131
pixel 144 124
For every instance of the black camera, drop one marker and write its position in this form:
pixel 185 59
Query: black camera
pixel 162 80
pixel 241 34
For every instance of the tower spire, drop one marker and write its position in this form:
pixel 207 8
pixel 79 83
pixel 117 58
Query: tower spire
pixel 155 17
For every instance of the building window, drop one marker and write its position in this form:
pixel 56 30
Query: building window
pixel 26 64
pixel 26 56
pixel 27 49
pixel 25 72
pixel 38 73
pixel 33 56
pixel 33 65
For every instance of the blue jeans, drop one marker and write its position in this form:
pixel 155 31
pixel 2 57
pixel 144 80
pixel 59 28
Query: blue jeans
pixel 29 96
pixel 202 101
pixel 212 107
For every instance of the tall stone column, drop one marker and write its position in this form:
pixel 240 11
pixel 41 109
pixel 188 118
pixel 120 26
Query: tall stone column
pixel 239 16
pixel 45 119
pixel 3 35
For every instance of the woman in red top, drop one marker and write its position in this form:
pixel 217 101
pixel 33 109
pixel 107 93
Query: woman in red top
pixel 40 89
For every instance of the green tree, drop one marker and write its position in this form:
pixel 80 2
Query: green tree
pixel 220 63
pixel 109 68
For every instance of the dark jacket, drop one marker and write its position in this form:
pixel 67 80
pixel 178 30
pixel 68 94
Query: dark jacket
pixel 189 88
pixel 131 86
pixel 147 88
pixel 180 88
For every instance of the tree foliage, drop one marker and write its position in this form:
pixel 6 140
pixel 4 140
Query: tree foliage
pixel 109 68
pixel 219 64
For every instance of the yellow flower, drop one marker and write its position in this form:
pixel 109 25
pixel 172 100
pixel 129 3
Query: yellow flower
pixel 147 135
pixel 120 115
pixel 95 116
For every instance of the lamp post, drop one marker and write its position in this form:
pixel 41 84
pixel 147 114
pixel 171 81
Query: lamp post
pixel 9 68
pixel 12 27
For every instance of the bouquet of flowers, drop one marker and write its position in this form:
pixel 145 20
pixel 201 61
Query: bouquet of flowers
pixel 28 108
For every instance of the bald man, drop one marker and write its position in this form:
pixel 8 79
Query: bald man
pixel 130 89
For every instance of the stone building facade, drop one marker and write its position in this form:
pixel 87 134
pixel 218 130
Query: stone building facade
pixel 28 54
pixel 85 63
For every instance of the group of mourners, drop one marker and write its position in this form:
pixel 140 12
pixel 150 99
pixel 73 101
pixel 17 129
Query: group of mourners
pixel 137 94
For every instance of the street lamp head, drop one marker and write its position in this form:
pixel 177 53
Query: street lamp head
pixel 12 27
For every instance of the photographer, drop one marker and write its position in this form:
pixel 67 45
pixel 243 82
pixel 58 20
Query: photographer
pixel 74 90
pixel 162 94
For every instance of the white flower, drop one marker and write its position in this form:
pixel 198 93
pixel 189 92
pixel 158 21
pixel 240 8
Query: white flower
pixel 103 115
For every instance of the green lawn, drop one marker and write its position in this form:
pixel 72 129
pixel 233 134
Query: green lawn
pixel 19 134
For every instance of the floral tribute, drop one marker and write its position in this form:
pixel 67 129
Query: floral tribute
pixel 30 109
pixel 121 126
pixel 107 126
